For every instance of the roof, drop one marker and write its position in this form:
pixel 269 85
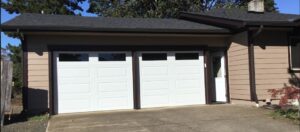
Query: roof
pixel 243 17
pixel 43 22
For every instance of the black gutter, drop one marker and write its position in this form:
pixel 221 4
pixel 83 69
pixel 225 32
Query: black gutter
pixel 251 37
pixel 20 28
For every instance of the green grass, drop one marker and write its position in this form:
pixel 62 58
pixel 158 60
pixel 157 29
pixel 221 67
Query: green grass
pixel 39 117
pixel 291 114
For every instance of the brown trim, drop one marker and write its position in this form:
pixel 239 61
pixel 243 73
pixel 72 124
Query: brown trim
pixel 136 80
pixel 25 73
pixel 123 48
pixel 291 40
pixel 51 83
pixel 127 34
pixel 207 70
pixel 246 99
pixel 227 76
pixel 252 67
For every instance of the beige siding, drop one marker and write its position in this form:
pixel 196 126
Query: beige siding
pixel 238 67
pixel 38 68
pixel 271 62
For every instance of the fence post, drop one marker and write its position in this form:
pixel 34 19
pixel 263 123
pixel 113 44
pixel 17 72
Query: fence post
pixel 6 87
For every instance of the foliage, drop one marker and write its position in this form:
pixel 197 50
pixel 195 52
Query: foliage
pixel 285 94
pixel 289 113
pixel 15 55
pixel 164 8
pixel 67 7
pixel 47 6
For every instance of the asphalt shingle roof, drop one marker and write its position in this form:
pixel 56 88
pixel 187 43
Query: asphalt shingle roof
pixel 249 18
pixel 43 22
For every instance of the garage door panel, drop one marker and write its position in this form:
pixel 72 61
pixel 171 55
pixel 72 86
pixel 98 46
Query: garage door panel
pixel 188 83
pixel 111 79
pixel 74 80
pixel 186 99
pixel 155 92
pixel 75 88
pixel 111 86
pixel 188 69
pixel 147 70
pixel 114 94
pixel 155 101
pixel 72 105
pixel 113 103
pixel 109 72
pixel 187 76
pixel 71 72
pixel 161 84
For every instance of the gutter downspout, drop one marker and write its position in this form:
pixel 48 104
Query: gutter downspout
pixel 252 64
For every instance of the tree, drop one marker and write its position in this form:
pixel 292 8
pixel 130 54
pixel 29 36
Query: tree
pixel 47 6
pixel 68 7
pixel 164 8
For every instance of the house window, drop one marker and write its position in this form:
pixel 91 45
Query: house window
pixel 74 57
pixel 295 55
pixel 112 57
pixel 154 56
pixel 187 56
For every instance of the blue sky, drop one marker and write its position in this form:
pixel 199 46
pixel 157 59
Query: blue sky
pixel 284 6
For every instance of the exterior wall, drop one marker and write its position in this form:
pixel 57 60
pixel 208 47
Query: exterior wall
pixel 38 63
pixel 271 62
pixel 238 67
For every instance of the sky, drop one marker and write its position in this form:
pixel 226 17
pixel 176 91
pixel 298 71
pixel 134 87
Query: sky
pixel 284 6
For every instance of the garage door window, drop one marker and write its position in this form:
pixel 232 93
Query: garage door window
pixel 154 56
pixel 73 57
pixel 112 57
pixel 187 56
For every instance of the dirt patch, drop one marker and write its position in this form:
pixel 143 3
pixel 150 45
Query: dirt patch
pixel 21 122
pixel 27 126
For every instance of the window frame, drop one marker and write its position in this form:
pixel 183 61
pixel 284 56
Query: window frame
pixel 121 53
pixel 165 53
pixel 85 53
pixel 292 40
pixel 180 59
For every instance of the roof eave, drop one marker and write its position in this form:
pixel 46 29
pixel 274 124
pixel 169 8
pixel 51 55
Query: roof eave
pixel 221 22
pixel 112 30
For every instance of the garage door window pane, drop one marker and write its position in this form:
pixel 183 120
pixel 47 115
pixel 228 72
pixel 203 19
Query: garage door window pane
pixel 73 57
pixel 112 57
pixel 187 56
pixel 154 56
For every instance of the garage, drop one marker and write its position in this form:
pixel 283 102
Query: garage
pixel 171 78
pixel 93 81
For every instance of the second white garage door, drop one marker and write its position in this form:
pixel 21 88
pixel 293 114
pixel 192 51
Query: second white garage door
pixel 171 78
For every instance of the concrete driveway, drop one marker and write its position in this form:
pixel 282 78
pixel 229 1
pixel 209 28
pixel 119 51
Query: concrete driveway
pixel 210 118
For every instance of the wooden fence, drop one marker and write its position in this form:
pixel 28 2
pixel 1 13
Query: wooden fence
pixel 6 87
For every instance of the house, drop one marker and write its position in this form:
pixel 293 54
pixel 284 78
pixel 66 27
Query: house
pixel 79 64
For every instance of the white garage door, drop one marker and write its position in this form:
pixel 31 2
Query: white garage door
pixel 91 81
pixel 171 78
